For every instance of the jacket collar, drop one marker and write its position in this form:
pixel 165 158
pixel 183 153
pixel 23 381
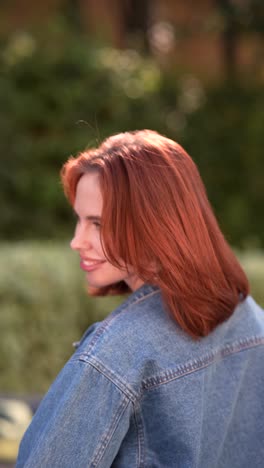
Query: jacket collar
pixel 140 293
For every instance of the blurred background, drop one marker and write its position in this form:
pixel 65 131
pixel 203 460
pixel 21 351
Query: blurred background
pixel 72 73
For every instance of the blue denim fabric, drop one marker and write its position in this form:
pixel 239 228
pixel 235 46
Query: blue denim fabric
pixel 139 392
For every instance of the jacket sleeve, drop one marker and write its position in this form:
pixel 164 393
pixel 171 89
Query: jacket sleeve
pixel 81 421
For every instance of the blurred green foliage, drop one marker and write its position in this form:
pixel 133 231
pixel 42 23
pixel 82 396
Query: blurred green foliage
pixel 60 94
pixel 44 308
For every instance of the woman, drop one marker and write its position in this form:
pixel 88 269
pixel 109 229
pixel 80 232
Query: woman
pixel 173 377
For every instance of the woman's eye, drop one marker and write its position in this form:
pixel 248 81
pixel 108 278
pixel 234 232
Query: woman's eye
pixel 96 224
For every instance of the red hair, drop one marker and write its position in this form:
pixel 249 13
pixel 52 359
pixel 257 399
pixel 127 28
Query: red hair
pixel 157 218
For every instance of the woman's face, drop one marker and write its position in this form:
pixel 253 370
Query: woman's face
pixel 86 241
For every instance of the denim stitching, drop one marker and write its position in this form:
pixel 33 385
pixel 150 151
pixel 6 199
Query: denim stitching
pixel 97 335
pixel 201 363
pixel 127 305
pixel 140 433
pixel 120 310
pixel 106 438
pixel 116 380
pixel 129 394
pixel 142 298
pixel 133 303
pixel 138 439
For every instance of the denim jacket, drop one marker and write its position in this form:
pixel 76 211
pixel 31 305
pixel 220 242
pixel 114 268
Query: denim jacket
pixel 139 393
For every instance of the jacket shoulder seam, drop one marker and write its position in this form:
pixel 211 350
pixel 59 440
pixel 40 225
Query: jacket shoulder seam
pixel 109 375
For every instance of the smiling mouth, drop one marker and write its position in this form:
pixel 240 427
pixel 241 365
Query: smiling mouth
pixel 87 265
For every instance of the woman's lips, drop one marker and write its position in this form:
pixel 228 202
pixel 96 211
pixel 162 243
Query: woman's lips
pixel 89 265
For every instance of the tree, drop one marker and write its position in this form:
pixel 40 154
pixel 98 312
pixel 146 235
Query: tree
pixel 239 16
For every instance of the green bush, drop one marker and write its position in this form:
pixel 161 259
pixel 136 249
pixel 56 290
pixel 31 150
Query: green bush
pixel 44 308
pixel 253 264
pixel 61 94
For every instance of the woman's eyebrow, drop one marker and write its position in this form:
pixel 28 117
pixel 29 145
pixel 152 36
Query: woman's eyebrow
pixel 93 218
pixel 88 217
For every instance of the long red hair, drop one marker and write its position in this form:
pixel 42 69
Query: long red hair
pixel 157 218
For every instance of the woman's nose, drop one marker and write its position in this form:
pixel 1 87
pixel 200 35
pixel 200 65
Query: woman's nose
pixel 79 240
pixel 74 244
